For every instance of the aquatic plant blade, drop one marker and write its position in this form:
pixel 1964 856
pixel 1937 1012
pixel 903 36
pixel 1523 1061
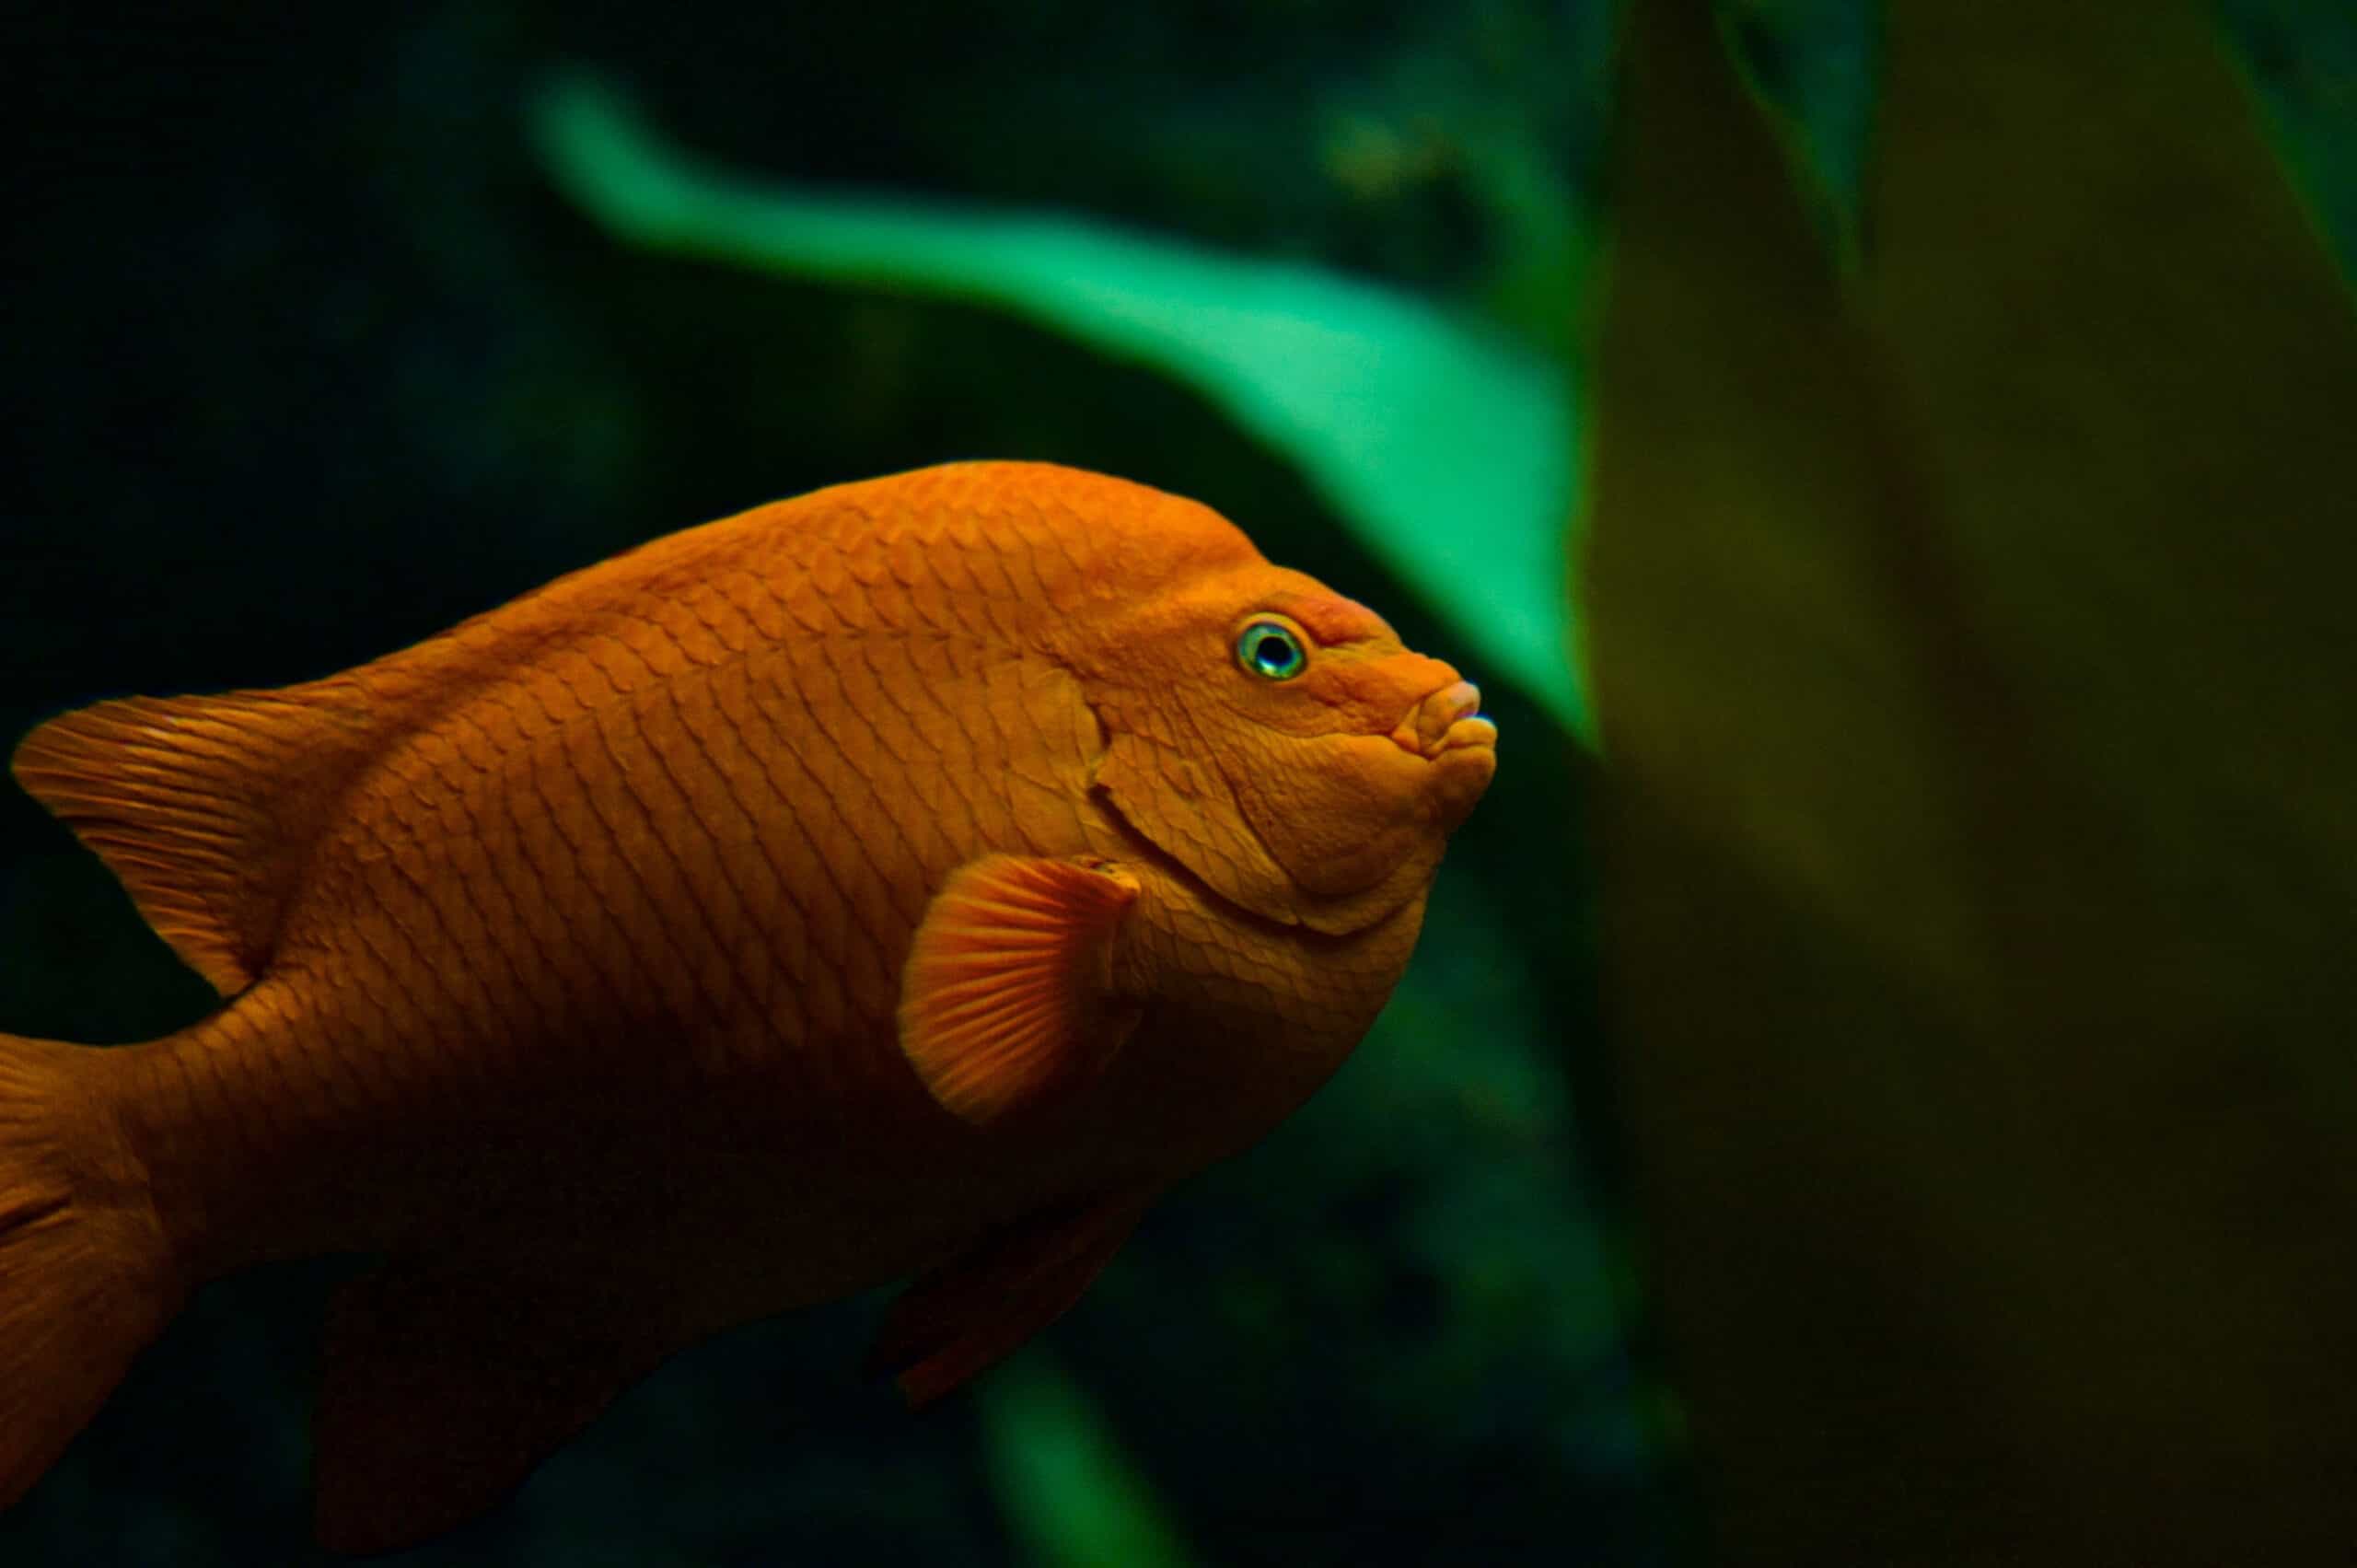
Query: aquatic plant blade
pixel 1072 1498
pixel 1971 644
pixel 1447 448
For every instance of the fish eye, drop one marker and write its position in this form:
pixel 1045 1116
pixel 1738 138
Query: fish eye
pixel 1271 650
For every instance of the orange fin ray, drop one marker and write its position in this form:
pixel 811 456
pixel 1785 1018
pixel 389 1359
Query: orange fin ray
pixel 205 808
pixel 441 1389
pixel 1007 991
pixel 975 1310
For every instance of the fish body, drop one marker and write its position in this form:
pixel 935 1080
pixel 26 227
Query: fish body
pixel 912 879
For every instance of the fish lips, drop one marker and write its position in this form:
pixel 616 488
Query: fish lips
pixel 1445 720
pixel 1446 729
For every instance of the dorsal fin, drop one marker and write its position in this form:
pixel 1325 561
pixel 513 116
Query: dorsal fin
pixel 205 808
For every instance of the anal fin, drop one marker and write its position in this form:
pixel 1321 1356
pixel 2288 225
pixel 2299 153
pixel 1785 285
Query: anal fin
pixel 441 1389
pixel 977 1308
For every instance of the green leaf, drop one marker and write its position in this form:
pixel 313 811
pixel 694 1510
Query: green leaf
pixel 1072 1498
pixel 1972 636
pixel 1445 445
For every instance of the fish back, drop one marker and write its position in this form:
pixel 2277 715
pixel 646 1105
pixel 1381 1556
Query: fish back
pixel 702 793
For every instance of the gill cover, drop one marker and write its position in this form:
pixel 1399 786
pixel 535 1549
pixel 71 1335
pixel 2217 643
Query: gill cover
pixel 1287 794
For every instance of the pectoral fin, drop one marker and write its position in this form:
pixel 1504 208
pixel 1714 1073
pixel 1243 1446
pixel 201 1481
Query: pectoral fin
pixel 442 1389
pixel 1006 993
pixel 964 1316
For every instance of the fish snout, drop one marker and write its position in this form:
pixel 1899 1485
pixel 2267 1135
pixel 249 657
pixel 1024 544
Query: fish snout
pixel 1444 720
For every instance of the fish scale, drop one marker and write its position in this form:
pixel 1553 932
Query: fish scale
pixel 909 878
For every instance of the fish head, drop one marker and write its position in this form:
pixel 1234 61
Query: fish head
pixel 1277 739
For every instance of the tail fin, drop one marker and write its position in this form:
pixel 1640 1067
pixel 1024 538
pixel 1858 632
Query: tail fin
pixel 86 1276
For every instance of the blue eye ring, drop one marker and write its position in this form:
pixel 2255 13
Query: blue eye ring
pixel 1272 649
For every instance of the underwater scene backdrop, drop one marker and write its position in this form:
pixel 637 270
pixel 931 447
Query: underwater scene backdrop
pixel 322 348
pixel 332 328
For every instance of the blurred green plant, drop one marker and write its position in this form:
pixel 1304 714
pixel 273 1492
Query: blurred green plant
pixel 1073 1499
pixel 1445 444
pixel 1969 618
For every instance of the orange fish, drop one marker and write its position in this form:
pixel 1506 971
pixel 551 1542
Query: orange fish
pixel 913 878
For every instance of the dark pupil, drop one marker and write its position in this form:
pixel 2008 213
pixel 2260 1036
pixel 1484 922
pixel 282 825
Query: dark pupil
pixel 1269 651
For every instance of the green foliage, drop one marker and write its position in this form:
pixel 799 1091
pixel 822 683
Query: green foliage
pixel 1445 445
pixel 1969 621
pixel 1072 1498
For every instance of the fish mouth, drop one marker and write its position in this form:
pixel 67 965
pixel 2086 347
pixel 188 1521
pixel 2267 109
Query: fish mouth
pixel 1446 720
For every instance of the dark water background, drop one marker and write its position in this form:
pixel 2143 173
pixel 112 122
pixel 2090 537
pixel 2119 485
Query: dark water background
pixel 306 360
